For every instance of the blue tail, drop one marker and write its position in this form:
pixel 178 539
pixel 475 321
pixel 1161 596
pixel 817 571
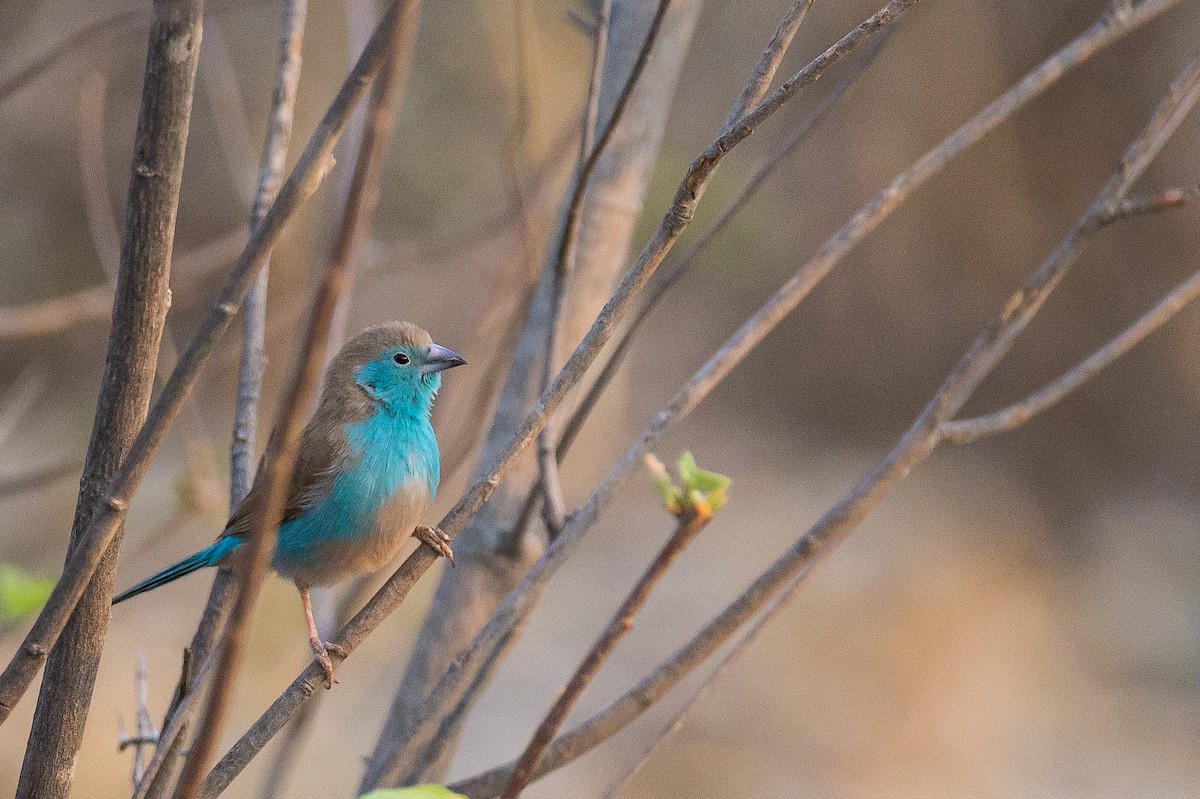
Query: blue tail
pixel 205 557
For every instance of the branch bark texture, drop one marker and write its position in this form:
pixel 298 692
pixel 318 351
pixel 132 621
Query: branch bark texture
pixel 492 555
pixel 139 314
pixel 306 176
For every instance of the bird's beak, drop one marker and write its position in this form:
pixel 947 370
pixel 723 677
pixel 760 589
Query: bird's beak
pixel 440 359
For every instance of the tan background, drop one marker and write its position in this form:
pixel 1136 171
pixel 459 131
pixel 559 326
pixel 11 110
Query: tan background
pixel 1020 618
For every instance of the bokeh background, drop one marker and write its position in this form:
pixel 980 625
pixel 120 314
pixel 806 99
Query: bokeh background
pixel 1020 618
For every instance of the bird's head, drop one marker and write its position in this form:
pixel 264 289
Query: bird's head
pixel 396 366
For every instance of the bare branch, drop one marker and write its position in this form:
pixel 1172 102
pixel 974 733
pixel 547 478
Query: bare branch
pixel 140 303
pixel 913 447
pixel 691 189
pixel 1149 204
pixel 965 431
pixel 467 673
pixel 672 274
pixel 701 691
pixel 254 310
pixel 306 176
pixel 620 713
pixel 146 734
pixel 689 526
pixel 282 454
pixel 250 376
pixel 768 63
pixel 564 255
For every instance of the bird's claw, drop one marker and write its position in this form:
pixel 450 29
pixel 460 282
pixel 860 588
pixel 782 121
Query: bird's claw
pixel 321 650
pixel 436 540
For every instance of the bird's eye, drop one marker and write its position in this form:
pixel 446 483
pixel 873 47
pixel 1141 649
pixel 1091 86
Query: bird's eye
pixel 400 358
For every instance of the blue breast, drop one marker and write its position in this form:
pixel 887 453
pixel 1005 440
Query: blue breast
pixel 387 452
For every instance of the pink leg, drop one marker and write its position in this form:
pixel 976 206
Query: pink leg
pixel 320 648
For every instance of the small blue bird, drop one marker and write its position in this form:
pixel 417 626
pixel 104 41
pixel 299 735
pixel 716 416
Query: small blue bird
pixel 367 468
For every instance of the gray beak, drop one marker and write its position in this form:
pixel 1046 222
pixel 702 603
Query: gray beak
pixel 440 359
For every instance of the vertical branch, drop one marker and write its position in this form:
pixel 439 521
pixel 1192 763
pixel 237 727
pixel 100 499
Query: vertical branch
pixel 493 554
pixel 565 252
pixel 139 314
pixel 84 559
pixel 554 509
pixel 250 375
pixel 284 448
pixel 254 309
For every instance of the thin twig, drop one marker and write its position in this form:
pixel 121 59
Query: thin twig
pixel 913 447
pixel 701 691
pixel 306 176
pixel 965 431
pixel 564 253
pixel 438 718
pixel 282 453
pixel 169 746
pixel 140 302
pixel 465 674
pixel 254 310
pixel 680 266
pixel 1149 204
pixel 691 189
pixel 768 63
pixel 689 526
pixel 146 734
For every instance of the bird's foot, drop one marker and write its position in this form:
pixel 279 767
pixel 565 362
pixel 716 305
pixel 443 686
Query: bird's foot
pixel 321 650
pixel 438 541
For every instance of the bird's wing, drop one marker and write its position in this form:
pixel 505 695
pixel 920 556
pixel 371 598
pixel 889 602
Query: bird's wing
pixel 323 451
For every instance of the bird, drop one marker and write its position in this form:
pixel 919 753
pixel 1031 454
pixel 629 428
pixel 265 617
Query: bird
pixel 367 468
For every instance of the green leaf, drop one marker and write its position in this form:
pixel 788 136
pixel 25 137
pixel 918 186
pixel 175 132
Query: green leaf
pixel 701 485
pixel 415 792
pixel 699 489
pixel 21 595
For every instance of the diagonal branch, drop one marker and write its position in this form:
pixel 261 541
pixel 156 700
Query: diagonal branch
pixel 965 431
pixel 913 447
pixel 691 189
pixel 306 176
pixel 768 63
pixel 469 672
pixel 680 267
pixel 564 257
pixel 139 311
pixel 690 524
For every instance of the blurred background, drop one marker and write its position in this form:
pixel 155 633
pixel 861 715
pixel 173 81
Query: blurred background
pixel 1020 618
